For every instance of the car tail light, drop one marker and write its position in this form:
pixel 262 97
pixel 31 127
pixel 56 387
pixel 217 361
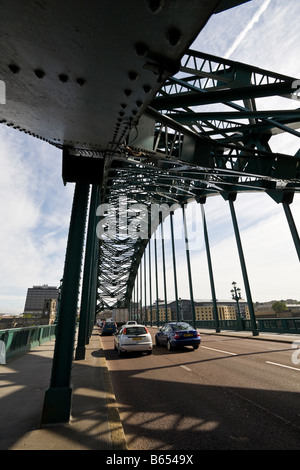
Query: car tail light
pixel 146 330
pixel 176 336
pixel 198 334
pixel 124 331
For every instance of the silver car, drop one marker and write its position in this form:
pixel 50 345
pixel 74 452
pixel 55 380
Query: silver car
pixel 133 338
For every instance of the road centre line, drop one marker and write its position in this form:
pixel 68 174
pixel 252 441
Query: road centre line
pixel 186 368
pixel 282 365
pixel 219 350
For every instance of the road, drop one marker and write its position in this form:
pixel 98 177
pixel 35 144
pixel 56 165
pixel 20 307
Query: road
pixel 230 394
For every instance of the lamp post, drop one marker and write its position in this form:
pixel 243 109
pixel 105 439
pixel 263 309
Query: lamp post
pixel 236 295
pixel 180 309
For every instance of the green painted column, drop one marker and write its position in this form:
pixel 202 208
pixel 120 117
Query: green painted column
pixel 164 265
pixel 187 251
pixel 145 287
pixel 210 270
pixel 88 293
pixel 57 401
pixel 292 225
pixel 141 288
pixel 150 282
pixel 174 265
pixel 156 280
pixel 243 266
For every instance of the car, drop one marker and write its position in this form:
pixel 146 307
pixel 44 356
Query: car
pixel 178 334
pixel 109 328
pixel 133 338
pixel 131 322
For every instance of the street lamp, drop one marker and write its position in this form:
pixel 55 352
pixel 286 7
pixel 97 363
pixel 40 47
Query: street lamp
pixel 236 295
pixel 180 309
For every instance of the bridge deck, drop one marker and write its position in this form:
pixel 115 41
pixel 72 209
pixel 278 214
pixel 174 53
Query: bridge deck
pixel 95 423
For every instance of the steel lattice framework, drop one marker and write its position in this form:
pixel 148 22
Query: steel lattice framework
pixel 181 150
pixel 149 121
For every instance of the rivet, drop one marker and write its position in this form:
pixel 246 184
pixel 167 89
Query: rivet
pixel 39 73
pixel 63 77
pixel 14 68
pixel 132 76
pixel 173 36
pixel 147 88
pixel 80 81
pixel 141 49
pixel 155 5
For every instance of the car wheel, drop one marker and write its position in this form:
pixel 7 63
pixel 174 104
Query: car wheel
pixel 169 346
pixel 149 352
pixel 196 346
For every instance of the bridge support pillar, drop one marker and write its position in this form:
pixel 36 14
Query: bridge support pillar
pixel 57 400
pixel 164 264
pixel 150 282
pixel 210 270
pixel 231 199
pixel 286 201
pixel 174 265
pixel 286 197
pixel 187 251
pixel 89 278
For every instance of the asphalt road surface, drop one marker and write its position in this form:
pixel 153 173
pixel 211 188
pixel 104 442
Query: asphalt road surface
pixel 230 394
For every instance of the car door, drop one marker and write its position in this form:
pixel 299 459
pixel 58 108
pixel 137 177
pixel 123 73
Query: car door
pixel 163 334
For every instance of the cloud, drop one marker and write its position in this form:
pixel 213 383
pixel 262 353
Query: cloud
pixel 34 211
pixel 35 206
pixel 255 18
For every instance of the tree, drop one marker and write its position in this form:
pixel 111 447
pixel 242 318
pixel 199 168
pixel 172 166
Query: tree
pixel 279 307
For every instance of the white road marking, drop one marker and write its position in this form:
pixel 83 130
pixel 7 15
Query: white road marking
pixel 282 365
pixel 186 368
pixel 219 350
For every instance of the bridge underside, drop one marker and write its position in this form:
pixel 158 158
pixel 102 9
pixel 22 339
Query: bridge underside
pixel 141 119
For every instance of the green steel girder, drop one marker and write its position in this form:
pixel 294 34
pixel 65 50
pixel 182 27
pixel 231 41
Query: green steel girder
pixel 184 153
pixel 223 96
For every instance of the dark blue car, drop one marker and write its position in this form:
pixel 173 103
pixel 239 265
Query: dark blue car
pixel 109 328
pixel 177 334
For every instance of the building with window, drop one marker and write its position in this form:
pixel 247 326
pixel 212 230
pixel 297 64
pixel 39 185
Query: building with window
pixel 36 297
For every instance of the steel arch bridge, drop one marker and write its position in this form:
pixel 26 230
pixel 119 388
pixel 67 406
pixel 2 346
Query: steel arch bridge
pixel 178 153
pixel 141 121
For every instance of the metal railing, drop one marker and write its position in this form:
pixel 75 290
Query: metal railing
pixel 271 325
pixel 20 340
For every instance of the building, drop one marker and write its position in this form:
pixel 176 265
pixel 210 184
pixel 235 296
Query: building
pixel 227 310
pixel 49 311
pixel 36 297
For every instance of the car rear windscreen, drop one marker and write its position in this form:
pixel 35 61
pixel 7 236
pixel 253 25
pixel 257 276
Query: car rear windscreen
pixel 135 330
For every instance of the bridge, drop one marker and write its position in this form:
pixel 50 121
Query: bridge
pixel 134 116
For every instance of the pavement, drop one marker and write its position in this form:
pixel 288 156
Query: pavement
pixel 95 423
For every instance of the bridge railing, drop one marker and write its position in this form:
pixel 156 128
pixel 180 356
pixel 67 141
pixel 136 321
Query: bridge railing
pixel 20 340
pixel 271 325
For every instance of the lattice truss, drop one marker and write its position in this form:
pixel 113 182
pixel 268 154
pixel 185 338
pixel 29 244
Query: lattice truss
pixel 208 131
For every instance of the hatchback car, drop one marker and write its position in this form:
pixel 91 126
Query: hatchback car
pixel 109 328
pixel 177 334
pixel 133 338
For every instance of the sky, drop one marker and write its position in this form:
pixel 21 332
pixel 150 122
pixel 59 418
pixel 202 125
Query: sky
pixel 35 206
